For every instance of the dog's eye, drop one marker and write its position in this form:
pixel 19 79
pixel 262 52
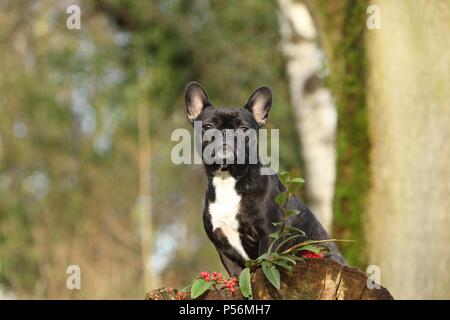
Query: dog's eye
pixel 207 126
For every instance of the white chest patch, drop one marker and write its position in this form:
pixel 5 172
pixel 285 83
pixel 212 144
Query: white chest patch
pixel 224 210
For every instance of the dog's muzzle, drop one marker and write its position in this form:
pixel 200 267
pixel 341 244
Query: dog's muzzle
pixel 225 155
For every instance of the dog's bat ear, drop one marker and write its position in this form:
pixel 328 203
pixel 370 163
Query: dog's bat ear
pixel 259 104
pixel 196 100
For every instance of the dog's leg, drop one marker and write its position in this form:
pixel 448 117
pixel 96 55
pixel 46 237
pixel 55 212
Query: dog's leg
pixel 233 268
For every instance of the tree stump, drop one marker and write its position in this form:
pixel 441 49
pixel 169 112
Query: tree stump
pixel 313 279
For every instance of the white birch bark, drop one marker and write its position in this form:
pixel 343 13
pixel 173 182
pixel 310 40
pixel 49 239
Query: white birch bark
pixel 314 108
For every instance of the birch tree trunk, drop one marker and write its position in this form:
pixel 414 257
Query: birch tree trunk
pixel 409 103
pixel 313 105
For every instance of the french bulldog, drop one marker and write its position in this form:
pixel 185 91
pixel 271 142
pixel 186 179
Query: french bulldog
pixel 239 207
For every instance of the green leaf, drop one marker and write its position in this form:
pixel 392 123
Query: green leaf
pixel 294 184
pixel 296 258
pixel 199 287
pixel 297 181
pixel 283 264
pixel 272 274
pixel 276 224
pixel 287 257
pixel 323 247
pixel 292 188
pixel 245 283
pixel 282 198
pixel 294 229
pixel 262 257
pixel 311 247
pixel 287 240
pixel 290 212
pixel 284 177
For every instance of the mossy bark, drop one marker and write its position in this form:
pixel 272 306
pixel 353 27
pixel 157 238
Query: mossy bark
pixel 342 30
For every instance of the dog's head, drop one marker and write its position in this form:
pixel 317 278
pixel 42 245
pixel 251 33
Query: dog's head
pixel 229 134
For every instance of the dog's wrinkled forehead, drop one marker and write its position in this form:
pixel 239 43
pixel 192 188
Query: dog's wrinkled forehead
pixel 228 117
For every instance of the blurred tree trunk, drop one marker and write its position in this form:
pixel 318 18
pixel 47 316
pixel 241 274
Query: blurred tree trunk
pixel 144 198
pixel 409 103
pixel 402 91
pixel 313 106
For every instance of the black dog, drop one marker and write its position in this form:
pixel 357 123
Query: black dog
pixel 239 206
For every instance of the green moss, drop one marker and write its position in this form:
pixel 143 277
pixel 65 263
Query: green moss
pixel 348 82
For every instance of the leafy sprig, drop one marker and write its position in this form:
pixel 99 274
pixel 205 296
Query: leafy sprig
pixel 276 257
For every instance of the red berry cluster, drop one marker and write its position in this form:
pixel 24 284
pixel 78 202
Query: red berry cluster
pixel 205 275
pixel 231 284
pixel 311 255
pixel 218 278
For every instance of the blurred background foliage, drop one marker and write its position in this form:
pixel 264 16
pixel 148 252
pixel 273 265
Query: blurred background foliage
pixel 68 130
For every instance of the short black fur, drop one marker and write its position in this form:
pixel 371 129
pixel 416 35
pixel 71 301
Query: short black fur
pixel 257 208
